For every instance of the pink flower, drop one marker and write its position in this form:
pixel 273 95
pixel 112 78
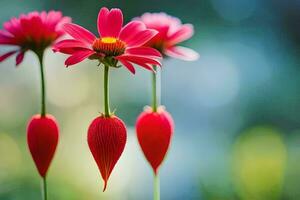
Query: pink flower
pixel 34 31
pixel 171 32
pixel 116 43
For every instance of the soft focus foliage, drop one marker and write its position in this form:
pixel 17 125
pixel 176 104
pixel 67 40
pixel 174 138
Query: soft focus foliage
pixel 243 93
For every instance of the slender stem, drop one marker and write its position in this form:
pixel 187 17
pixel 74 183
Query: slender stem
pixel 156 189
pixel 43 93
pixel 106 92
pixel 44 189
pixel 154 92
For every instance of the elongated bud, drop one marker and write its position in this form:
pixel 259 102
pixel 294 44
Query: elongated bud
pixel 42 139
pixel 106 139
pixel 154 132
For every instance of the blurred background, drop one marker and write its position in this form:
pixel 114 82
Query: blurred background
pixel 237 109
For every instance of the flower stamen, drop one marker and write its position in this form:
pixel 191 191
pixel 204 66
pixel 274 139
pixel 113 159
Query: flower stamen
pixel 109 46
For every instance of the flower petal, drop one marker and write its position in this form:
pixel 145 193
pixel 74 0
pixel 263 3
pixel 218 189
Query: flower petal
pixel 6 39
pixel 130 30
pixel 112 24
pixel 7 55
pixel 185 32
pixel 182 53
pixel 128 65
pixel 78 56
pixel 144 51
pixel 101 21
pixel 13 27
pixel 20 57
pixel 138 59
pixel 141 38
pixel 69 43
pixel 70 50
pixel 79 33
pixel 144 65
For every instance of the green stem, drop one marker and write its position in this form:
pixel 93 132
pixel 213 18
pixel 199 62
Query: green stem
pixel 154 92
pixel 106 92
pixel 156 189
pixel 44 188
pixel 43 93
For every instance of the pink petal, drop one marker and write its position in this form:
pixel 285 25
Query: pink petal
pixel 12 27
pixel 130 30
pixel 141 38
pixel 20 58
pixel 144 51
pixel 53 18
pixel 144 65
pixel 138 59
pixel 182 53
pixel 185 32
pixel 78 57
pixel 69 43
pixel 6 55
pixel 32 26
pixel 110 24
pixel 71 50
pixel 128 65
pixel 63 21
pixel 79 33
pixel 101 21
pixel 6 39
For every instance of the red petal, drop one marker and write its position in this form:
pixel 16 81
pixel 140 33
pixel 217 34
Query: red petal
pixel 42 139
pixel 128 65
pixel 78 56
pixel 6 39
pixel 110 22
pixel 182 53
pixel 101 21
pixel 154 132
pixel 131 30
pixel 144 51
pixel 106 140
pixel 7 55
pixel 141 38
pixel 69 51
pixel 79 33
pixel 185 32
pixel 137 58
pixel 69 43
pixel 20 58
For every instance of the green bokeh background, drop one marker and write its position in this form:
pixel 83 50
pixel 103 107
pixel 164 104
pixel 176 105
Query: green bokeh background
pixel 236 109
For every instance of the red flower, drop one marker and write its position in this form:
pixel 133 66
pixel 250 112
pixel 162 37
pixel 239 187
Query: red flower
pixel 116 43
pixel 106 139
pixel 42 139
pixel 154 132
pixel 34 31
pixel 170 32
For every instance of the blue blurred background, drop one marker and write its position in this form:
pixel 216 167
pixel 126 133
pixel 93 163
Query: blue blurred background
pixel 237 109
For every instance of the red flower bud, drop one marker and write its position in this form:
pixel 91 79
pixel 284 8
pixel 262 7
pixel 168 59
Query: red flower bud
pixel 106 139
pixel 154 131
pixel 42 139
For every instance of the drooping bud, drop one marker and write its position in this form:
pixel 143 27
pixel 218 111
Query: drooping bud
pixel 42 139
pixel 106 139
pixel 154 132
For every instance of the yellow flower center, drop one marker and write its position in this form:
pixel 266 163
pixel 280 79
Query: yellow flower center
pixel 109 46
pixel 109 40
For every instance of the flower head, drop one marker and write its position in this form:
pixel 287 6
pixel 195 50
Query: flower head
pixel 42 139
pixel 154 132
pixel 34 31
pixel 170 32
pixel 106 139
pixel 115 42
